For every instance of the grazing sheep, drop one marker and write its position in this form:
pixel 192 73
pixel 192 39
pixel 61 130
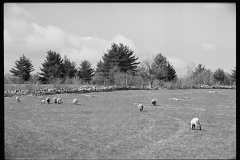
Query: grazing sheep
pixel 154 102
pixel 55 100
pixel 212 91
pixel 43 101
pixel 140 107
pixel 75 101
pixel 48 100
pixel 59 101
pixel 18 99
pixel 195 123
pixel 174 99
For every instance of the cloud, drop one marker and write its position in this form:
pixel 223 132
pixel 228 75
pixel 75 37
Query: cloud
pixel 208 47
pixel 121 39
pixel 150 49
pixel 34 41
pixel 204 48
pixel 48 37
pixel 177 62
pixel 12 10
pixel 146 52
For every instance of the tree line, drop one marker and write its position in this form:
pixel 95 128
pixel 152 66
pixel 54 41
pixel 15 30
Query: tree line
pixel 118 66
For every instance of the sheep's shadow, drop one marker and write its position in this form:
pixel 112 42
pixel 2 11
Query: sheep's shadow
pixel 193 130
pixel 62 103
pixel 53 103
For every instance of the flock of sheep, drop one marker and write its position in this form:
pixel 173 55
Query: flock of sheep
pixel 194 124
pixel 55 100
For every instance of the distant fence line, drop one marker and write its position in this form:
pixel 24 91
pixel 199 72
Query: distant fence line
pixel 27 89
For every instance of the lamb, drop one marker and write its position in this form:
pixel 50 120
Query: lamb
pixel 195 123
pixel 43 101
pixel 59 101
pixel 18 99
pixel 140 107
pixel 75 101
pixel 154 102
pixel 48 100
pixel 55 100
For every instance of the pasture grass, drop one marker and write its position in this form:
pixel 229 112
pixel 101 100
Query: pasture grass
pixel 108 125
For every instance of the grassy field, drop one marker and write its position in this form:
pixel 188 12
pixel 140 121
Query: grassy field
pixel 108 125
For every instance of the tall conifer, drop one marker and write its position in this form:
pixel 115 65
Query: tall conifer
pixel 52 68
pixel 22 69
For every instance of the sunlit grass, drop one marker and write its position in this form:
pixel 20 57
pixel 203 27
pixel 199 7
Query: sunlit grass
pixel 107 125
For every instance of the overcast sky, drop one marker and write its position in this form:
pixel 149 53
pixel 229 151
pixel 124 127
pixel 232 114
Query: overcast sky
pixel 183 32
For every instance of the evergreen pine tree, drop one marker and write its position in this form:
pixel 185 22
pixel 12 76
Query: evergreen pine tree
pixel 85 71
pixel 233 75
pixel 170 72
pixel 219 75
pixel 22 69
pixel 69 68
pixel 200 68
pixel 159 66
pixel 118 56
pixel 122 57
pixel 52 68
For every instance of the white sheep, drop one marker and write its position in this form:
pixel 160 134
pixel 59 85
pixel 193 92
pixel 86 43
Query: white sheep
pixel 175 99
pixel 59 101
pixel 212 91
pixel 48 100
pixel 140 107
pixel 55 100
pixel 195 123
pixel 75 101
pixel 154 102
pixel 43 101
pixel 18 99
